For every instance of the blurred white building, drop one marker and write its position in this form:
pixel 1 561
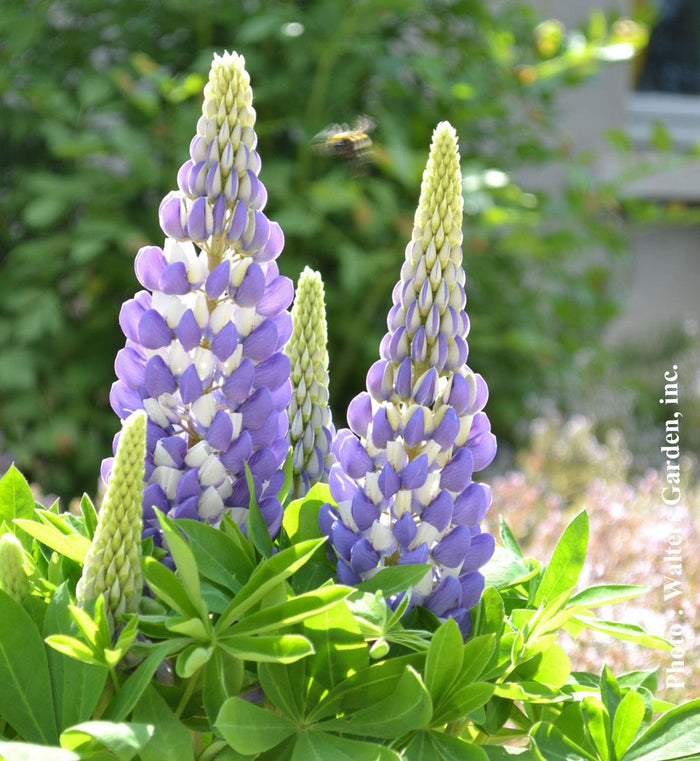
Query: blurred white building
pixel 660 278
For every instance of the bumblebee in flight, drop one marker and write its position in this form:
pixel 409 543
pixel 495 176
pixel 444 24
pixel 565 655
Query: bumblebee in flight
pixel 351 143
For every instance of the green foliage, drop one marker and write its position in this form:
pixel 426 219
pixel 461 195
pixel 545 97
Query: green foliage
pixel 100 102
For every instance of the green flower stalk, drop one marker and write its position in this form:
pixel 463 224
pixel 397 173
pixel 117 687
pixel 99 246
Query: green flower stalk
pixel 311 430
pixel 13 579
pixel 112 566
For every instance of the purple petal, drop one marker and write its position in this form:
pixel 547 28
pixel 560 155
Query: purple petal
pixel 346 575
pixel 381 430
pixel 452 548
pixel 458 472
pixel 379 380
pixel 419 347
pixel 188 486
pixel 153 330
pixel 154 496
pixel 480 552
pixel 256 409
pixel 439 512
pixel 239 384
pixel 343 539
pixel 284 325
pixel 158 379
pixel 219 216
pixel 364 512
pixel 424 389
pixel 281 396
pixel 420 555
pixel 363 557
pixel 190 385
pixel 277 297
pixel 414 433
pixel 131 313
pixel 225 341
pixel 148 265
pixel 342 487
pixel 405 530
pixel 472 585
pixel 174 279
pixel 447 430
pixel 268 431
pixel 472 504
pixel 360 413
pixel 263 464
pixel 129 366
pixel 460 394
pixel 447 594
pixel 260 343
pixel 273 371
pixel 271 510
pixel 220 431
pixel 237 454
pixel 482 395
pixel 176 447
pixel 389 480
pixel 275 244
pixel 403 379
pixel 250 291
pixel 327 516
pixel 217 281
pixel 124 400
pixel 274 485
pixel 188 332
pixel 354 458
pixel 414 474
pixel 398 344
pixel 483 451
pixel 238 222
pixel 169 216
pixel 187 509
pixel 197 228
pixel 258 233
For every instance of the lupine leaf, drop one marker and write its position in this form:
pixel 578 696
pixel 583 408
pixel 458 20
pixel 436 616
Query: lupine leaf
pixel 284 687
pixel 16 498
pixel 508 538
pixel 551 745
pixel 394 579
pixel 444 660
pixel 300 519
pixel 25 696
pixel 223 679
pixel 250 729
pixel 168 587
pixel 171 740
pixel 123 740
pixel 73 546
pixel 462 701
pixel 257 528
pixel 597 723
pixel 87 510
pixel 17 751
pixel 318 746
pixel 567 561
pixel 605 594
pixel 282 648
pixel 436 746
pixel 626 632
pixel 675 735
pixel 628 720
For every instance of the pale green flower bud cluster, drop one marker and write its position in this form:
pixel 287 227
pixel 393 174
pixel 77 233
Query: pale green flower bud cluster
pixel 311 429
pixel 112 566
pixel 13 579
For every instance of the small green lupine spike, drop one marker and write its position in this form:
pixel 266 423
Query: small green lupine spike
pixel 13 579
pixel 311 429
pixel 112 566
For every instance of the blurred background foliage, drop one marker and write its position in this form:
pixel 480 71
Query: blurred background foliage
pixel 100 99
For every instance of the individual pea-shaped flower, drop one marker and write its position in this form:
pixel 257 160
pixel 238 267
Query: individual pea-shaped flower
pixel 311 430
pixel 403 481
pixel 13 579
pixel 204 351
pixel 112 566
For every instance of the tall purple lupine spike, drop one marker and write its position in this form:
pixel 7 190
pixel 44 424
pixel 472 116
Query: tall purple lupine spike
pixel 204 350
pixel 403 480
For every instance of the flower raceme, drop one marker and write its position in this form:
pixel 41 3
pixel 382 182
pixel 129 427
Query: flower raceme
pixel 403 481
pixel 311 430
pixel 203 354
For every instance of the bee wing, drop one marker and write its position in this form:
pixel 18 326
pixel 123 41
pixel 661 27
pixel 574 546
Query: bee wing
pixel 364 123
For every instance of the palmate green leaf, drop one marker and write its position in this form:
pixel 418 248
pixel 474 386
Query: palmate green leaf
pixel 76 686
pixel 168 587
pixel 566 563
pixel 288 470
pixel 435 746
pixel 408 709
pixel 219 558
pixel 192 658
pixel 340 649
pixel 498 753
pixel 476 654
pixel 530 692
pixel 597 724
pixel 312 745
pixel 549 744
pixel 265 577
pixel 292 611
pixel 73 546
pixel 171 739
pixel 184 562
pixel 300 520
pixel 626 632
pixel 255 523
pixel 675 735
pixel 628 719
pixel 26 698
pixel 444 660
pixel 132 689
pixel 605 594
pixel 122 740
pixel 508 538
pixel 16 498
pixel 281 648
pixel 231 530
pixel 551 666
pixel 223 679
pixel 250 729
pixel 506 569
pixel 462 700
pixel 367 686
pixel 490 614
pixel 284 686
pixel 15 751
pixel 73 648
pixel 89 513
pixel 394 579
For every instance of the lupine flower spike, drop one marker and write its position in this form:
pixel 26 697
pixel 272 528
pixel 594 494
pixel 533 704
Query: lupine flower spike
pixel 204 351
pixel 112 565
pixel 311 430
pixel 403 480
pixel 13 579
